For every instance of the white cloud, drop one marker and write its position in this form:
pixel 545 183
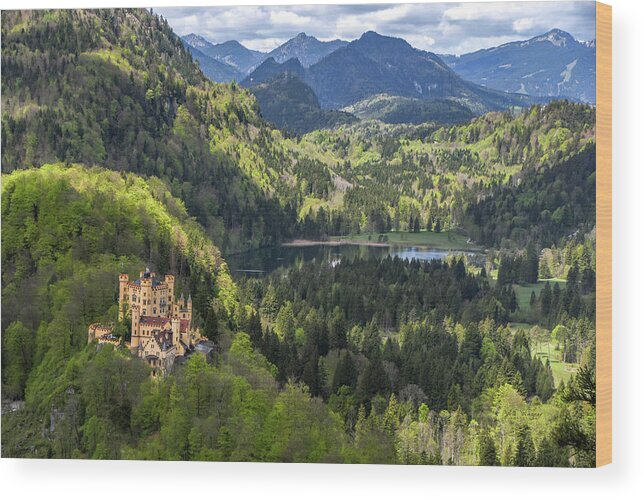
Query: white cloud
pixel 423 42
pixel 524 24
pixel 263 44
pixel 288 18
pixel 439 27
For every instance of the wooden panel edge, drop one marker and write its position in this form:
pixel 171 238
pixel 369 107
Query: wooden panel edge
pixel 603 234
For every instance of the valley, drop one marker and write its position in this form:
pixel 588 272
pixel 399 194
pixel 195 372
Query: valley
pixel 381 276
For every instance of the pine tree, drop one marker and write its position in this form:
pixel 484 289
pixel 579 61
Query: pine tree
pixel 525 454
pixel 487 453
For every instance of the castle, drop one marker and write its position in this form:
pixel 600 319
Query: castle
pixel 161 327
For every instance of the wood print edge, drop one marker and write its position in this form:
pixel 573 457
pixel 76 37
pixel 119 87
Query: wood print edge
pixel 603 234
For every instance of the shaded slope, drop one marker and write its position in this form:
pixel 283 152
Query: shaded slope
pixel 376 64
pixel 290 104
pixel 215 70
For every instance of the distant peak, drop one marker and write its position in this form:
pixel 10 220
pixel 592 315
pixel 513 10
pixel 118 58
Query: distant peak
pixel 556 37
pixel 560 32
pixel 230 45
pixel 375 39
pixel 193 36
pixel 301 35
pixel 194 40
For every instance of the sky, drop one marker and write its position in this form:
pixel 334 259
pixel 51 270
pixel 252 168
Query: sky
pixel 444 28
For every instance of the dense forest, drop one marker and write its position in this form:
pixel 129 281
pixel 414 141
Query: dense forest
pixel 117 154
pixel 116 88
pixel 394 174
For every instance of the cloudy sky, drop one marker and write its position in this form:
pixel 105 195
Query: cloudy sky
pixel 453 28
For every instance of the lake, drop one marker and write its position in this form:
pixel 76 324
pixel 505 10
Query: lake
pixel 266 260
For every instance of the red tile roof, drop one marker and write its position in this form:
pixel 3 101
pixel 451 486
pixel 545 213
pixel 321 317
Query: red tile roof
pixel 154 321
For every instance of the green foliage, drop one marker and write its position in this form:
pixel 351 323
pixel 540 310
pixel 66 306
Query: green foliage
pixel 67 234
pixel 128 96
pixel 364 361
pixel 548 205
pixel 391 177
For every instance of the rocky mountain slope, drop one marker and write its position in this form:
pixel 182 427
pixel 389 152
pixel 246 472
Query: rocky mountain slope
pixel 553 64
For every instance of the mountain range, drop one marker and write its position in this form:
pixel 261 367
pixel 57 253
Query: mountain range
pixel 553 64
pixel 376 64
pixel 386 78
pixel 232 52
pixel 242 60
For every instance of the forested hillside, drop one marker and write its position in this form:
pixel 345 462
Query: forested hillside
pixel 397 175
pixel 66 233
pixel 395 109
pixel 117 88
pixel 132 99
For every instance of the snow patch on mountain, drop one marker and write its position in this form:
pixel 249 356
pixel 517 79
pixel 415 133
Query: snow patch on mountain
pixel 567 72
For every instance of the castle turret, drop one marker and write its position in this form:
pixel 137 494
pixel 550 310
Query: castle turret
pixel 176 335
pixel 123 279
pixel 136 334
pixel 169 280
pixel 146 293
pixel 189 315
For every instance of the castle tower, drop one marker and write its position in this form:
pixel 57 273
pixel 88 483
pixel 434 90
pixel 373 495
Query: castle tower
pixel 122 295
pixel 189 316
pixel 169 280
pixel 176 334
pixel 136 334
pixel 146 292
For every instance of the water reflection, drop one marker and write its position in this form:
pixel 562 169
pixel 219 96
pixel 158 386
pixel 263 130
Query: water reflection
pixel 266 260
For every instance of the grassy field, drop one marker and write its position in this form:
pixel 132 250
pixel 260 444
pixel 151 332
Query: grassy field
pixel 438 240
pixel 523 291
pixel 561 371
